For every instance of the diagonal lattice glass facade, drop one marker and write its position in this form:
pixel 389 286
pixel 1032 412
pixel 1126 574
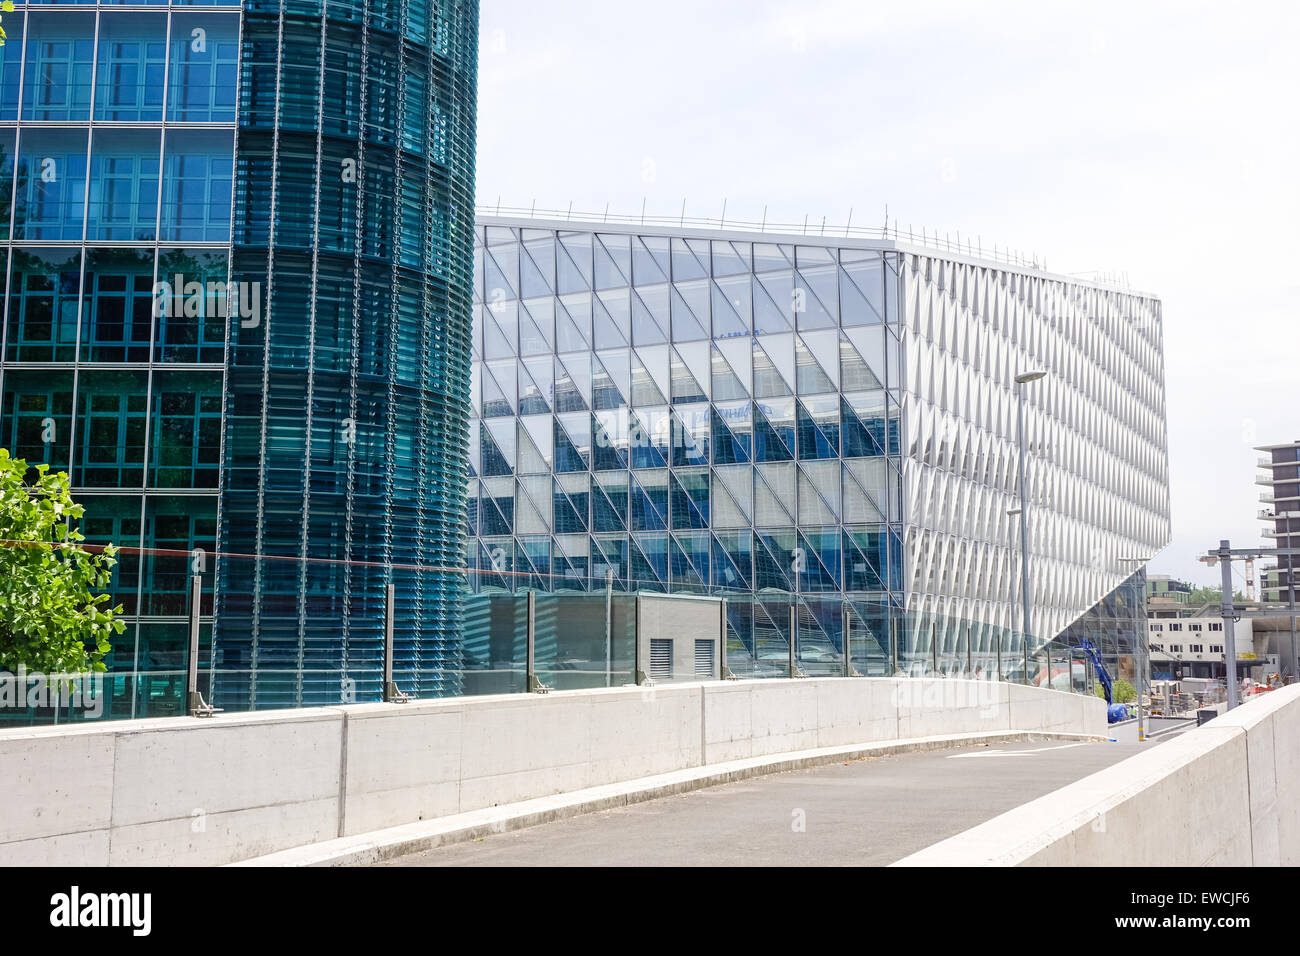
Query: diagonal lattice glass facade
pixel 823 431
pixel 237 241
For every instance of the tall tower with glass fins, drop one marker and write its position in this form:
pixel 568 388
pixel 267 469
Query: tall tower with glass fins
pixel 237 242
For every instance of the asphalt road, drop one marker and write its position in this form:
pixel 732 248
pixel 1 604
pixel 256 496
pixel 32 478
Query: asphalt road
pixel 860 813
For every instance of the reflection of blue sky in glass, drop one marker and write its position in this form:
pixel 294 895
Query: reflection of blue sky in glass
pixel 618 432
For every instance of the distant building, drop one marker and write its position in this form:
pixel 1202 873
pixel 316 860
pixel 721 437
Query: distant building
pixel 1280 512
pixel 1192 645
pixel 1168 597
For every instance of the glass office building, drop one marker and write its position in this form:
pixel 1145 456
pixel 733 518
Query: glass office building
pixel 237 242
pixel 825 432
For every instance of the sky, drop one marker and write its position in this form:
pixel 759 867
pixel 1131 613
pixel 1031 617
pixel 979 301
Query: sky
pixel 1158 141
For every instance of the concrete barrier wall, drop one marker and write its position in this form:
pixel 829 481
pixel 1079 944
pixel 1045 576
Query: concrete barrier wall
pixel 190 791
pixel 1223 794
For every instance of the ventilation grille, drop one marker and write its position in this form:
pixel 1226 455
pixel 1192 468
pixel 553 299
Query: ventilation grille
pixel 703 658
pixel 661 658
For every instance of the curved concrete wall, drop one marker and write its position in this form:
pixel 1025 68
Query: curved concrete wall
pixel 190 791
pixel 1224 794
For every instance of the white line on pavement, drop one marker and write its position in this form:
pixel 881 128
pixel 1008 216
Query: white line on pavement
pixel 1011 753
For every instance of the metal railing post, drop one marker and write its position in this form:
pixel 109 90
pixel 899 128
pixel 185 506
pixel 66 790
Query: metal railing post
pixel 195 705
pixel 794 631
pixel 724 672
pixel 609 627
pixel 846 615
pixel 638 664
pixel 894 624
pixel 530 644
pixel 844 639
pixel 794 640
pixel 391 694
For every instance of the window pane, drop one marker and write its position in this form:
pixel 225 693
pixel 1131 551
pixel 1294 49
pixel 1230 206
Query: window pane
pixel 37 417
pixel 60 60
pixel 51 193
pixel 44 287
pixel 129 71
pixel 202 79
pixel 110 428
pixel 197 170
pixel 123 186
pixel 118 305
pixel 192 306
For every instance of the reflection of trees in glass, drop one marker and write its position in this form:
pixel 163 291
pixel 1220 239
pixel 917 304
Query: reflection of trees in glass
pixel 43 308
pixel 7 7
pixel 119 305
pixel 186 430
pixel 127 261
pixel 110 434
pixel 38 417
pixel 180 337
pixel 33 260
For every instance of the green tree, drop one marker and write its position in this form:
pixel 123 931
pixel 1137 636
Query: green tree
pixel 51 622
pixel 1199 597
pixel 8 7
pixel 1125 692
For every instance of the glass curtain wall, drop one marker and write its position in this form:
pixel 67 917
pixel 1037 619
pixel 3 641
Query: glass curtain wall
pixel 117 145
pixel 693 415
pixel 345 410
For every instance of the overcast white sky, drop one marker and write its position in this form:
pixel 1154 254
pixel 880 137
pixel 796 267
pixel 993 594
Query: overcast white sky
pixel 1156 139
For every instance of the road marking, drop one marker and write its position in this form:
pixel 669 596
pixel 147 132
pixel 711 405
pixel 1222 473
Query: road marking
pixel 1012 753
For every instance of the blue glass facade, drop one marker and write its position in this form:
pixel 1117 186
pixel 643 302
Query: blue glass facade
pixel 694 414
pixel 345 404
pixel 291 386
pixel 823 431
pixel 108 179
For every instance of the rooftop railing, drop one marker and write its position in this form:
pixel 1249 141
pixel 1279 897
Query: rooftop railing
pixel 810 227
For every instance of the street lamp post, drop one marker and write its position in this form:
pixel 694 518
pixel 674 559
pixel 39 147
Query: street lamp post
pixel 1024 378
pixel 1024 646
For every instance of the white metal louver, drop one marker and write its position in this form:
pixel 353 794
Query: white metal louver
pixel 661 659
pixel 704 658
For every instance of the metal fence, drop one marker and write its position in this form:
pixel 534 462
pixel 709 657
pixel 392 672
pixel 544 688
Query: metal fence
pixel 309 648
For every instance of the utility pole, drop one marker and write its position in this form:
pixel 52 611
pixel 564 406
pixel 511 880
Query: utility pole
pixel 1226 608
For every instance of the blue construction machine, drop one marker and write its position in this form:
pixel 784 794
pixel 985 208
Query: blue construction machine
pixel 1114 712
